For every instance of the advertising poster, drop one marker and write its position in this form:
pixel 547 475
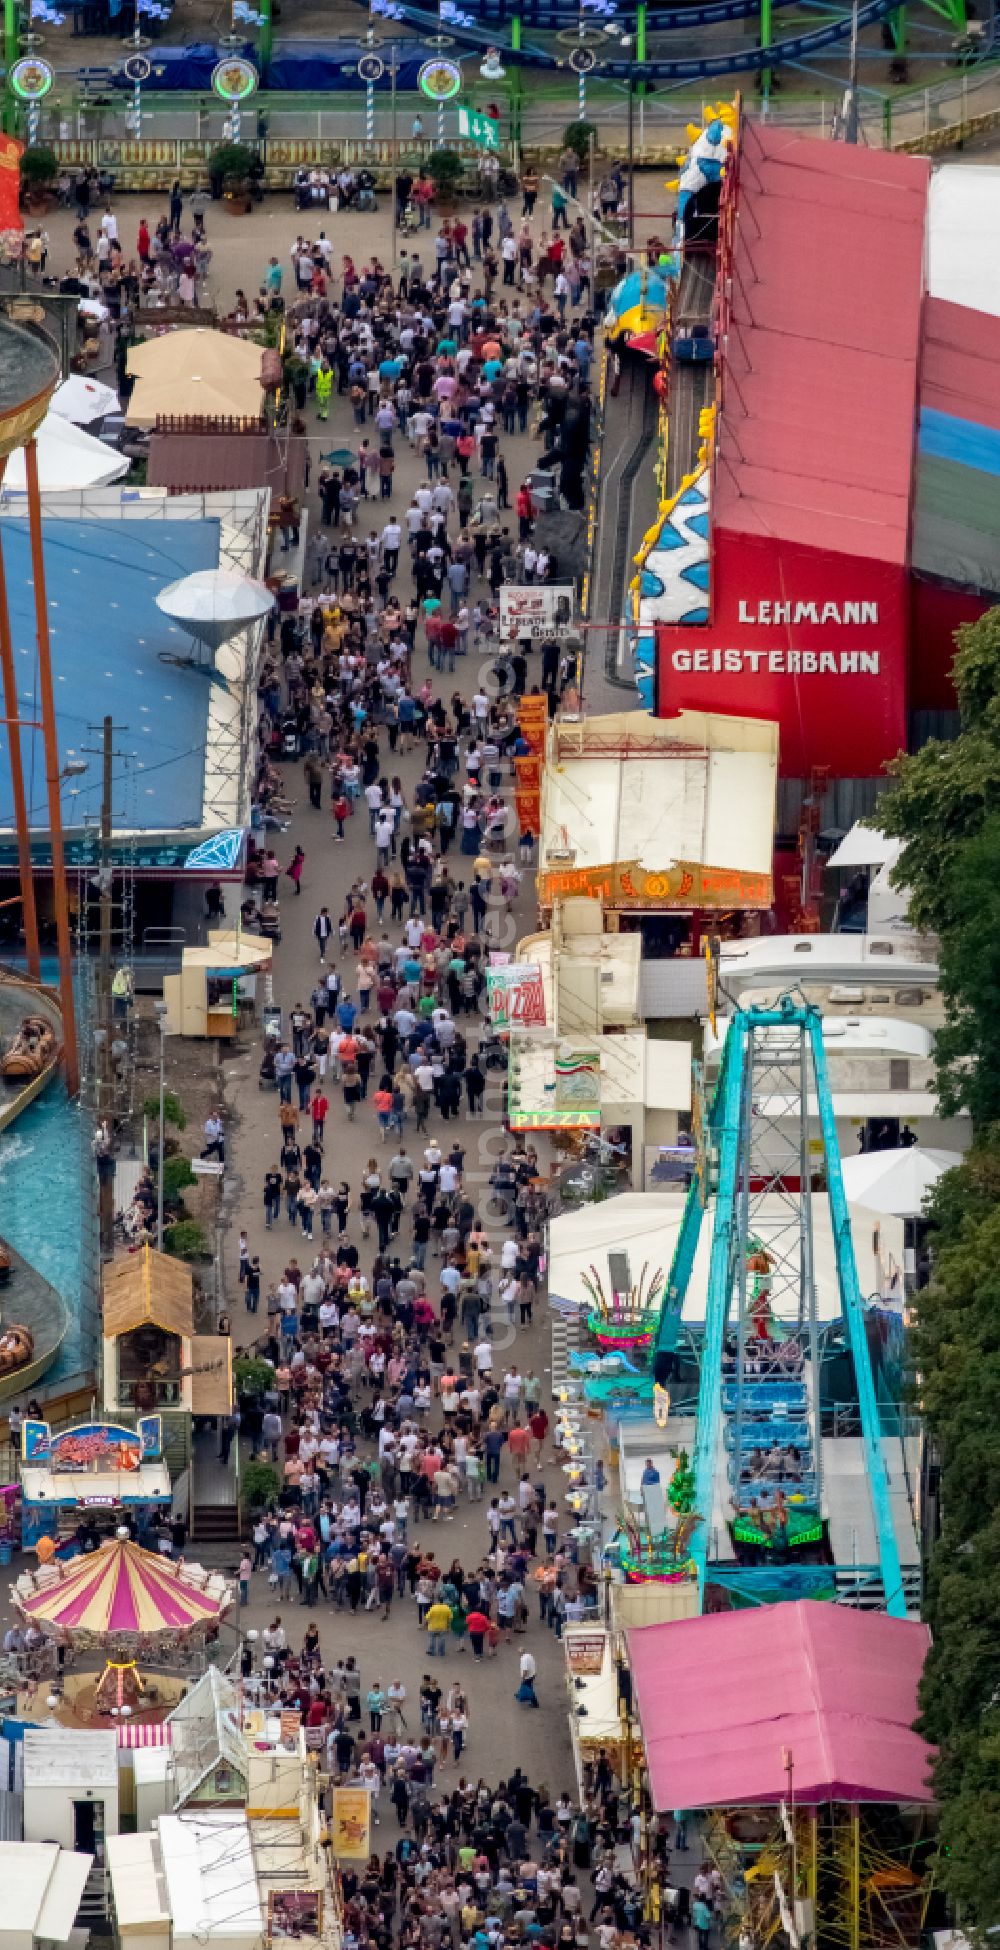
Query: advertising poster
pixel 535 609
pixel 351 1824
pixel 528 793
pixel 10 183
pixel 532 721
pixel 515 996
pixel 584 1651
pixel 578 1081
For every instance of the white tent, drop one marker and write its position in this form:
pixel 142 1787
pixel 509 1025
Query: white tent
pixel 866 846
pixel 83 400
pixel 67 458
pixel 215 604
pixel 895 1182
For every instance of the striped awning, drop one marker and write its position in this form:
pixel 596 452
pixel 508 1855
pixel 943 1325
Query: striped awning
pixel 121 1590
pixel 134 1733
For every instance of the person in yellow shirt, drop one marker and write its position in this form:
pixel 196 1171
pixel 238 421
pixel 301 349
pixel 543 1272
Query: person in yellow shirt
pixel 324 388
pixel 437 1622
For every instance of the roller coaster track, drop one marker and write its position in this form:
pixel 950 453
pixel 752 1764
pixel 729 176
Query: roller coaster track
pixel 634 419
pixel 739 61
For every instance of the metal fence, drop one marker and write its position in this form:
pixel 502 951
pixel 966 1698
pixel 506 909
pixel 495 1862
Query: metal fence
pixel 183 129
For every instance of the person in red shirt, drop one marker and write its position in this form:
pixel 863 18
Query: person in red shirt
pixel 518 1443
pixel 142 242
pixel 320 1108
pixel 478 1625
pixel 449 642
pixel 340 810
pixel 539 1425
pixel 524 510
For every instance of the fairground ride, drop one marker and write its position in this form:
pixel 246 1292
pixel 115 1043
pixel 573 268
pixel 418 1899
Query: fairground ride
pixel 776 1489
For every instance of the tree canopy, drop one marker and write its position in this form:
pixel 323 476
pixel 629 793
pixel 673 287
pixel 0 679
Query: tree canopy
pixel 946 809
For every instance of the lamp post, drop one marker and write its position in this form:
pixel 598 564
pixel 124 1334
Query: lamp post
pixel 161 1017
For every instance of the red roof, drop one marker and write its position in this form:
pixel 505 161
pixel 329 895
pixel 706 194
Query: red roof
pixel 816 434
pixel 960 366
pixel 722 1699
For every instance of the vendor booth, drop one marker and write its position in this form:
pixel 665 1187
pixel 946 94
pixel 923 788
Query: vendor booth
pixel 97 1466
pixel 216 982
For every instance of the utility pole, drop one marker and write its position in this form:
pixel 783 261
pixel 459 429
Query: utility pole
pixel 29 912
pixel 105 1086
pixel 851 118
pixel 51 739
pixel 393 72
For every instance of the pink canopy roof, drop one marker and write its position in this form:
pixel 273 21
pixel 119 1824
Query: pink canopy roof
pixel 722 1698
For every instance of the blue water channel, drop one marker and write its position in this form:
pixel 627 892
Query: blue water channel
pixel 43 1175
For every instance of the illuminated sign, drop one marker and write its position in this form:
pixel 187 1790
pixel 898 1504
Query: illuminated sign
pixel 31 78
pixel 234 79
pixel 439 79
pixel 684 885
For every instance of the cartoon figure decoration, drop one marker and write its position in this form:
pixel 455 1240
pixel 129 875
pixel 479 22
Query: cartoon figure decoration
pixel 638 302
pixel 680 1489
pixel 705 160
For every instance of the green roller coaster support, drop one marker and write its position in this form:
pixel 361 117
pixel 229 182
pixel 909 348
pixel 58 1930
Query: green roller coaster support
pixel 953 11
pixel 11 50
pixel 897 22
pixel 766 37
pixel 640 31
pixel 265 44
pixel 516 85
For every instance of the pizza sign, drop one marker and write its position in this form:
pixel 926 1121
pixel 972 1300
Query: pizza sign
pixel 516 996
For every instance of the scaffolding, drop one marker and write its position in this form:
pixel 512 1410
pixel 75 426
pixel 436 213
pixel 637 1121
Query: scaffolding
pixel 845 1876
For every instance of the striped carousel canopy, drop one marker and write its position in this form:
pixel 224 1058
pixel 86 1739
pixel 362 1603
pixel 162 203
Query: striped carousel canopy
pixel 122 1589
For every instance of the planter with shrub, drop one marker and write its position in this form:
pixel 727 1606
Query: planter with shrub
pixel 231 173
pixel 446 170
pixel 260 1485
pixel 576 136
pixel 39 169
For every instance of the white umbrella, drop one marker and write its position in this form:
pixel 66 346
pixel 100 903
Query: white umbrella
pixel 82 400
pixel 895 1182
pixel 215 604
pixel 67 458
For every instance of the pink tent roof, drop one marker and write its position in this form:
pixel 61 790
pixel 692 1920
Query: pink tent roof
pixel 722 1698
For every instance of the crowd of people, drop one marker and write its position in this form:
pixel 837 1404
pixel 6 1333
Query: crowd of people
pixel 391 1304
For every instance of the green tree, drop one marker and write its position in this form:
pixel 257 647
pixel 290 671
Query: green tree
pixel 252 1376
pixel 577 136
pixel 946 809
pixel 177 1176
pixel 186 1240
pixel 946 793
pixel 260 1485
pixel 956 1358
pixel 173 1110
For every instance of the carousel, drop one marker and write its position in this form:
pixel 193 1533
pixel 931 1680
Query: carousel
pixel 132 1606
